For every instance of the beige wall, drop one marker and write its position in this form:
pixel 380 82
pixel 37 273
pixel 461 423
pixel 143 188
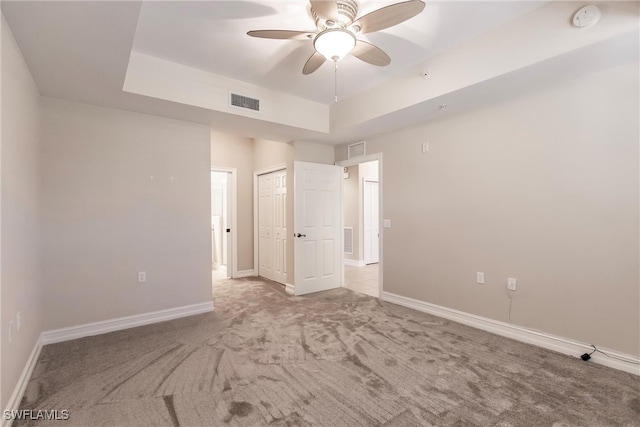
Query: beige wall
pixel 237 152
pixel 267 154
pixel 313 153
pixel 543 187
pixel 21 281
pixel 123 192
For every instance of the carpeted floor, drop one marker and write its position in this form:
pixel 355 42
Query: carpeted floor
pixel 334 358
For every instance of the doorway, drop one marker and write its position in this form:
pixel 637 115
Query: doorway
pixel 362 220
pixel 371 219
pixel 222 223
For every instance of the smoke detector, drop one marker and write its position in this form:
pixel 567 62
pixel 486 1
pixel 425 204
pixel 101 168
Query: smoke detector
pixel 586 16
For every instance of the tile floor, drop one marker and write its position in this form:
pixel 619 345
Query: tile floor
pixel 362 279
pixel 219 273
pixel 359 279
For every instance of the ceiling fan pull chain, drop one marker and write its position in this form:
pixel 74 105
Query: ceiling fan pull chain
pixel 335 80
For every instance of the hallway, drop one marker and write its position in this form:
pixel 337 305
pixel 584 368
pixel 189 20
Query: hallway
pixel 364 280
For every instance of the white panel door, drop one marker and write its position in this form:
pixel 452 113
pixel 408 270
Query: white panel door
pixel 371 222
pixel 280 226
pixel 265 226
pixel 317 227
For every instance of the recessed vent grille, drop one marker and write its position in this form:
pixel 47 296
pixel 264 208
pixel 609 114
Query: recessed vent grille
pixel 357 150
pixel 245 102
pixel 348 240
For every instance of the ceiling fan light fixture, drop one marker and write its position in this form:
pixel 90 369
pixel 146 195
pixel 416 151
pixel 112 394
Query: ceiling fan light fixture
pixel 334 43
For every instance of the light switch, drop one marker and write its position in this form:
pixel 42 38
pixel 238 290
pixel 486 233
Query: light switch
pixel 386 223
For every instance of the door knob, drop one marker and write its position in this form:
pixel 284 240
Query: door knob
pixel 300 235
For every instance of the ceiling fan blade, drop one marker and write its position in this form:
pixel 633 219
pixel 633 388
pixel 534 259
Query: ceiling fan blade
pixel 389 16
pixel 281 34
pixel 326 9
pixel 371 54
pixel 313 63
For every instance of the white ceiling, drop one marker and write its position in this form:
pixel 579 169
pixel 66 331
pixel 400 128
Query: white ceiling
pixel 79 51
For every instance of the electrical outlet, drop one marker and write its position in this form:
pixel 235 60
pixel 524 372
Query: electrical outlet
pixel 142 276
pixel 18 321
pixel 511 284
pixel 480 278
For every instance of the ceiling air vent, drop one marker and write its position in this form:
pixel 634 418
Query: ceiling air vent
pixel 356 150
pixel 245 102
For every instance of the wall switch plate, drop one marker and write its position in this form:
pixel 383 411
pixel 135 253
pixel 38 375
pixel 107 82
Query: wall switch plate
pixel 480 278
pixel 142 276
pixel 425 147
pixel 386 223
pixel 511 284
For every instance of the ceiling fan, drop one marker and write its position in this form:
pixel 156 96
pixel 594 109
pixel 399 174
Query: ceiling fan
pixel 337 28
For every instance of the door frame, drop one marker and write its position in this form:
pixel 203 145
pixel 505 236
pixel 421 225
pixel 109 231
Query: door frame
pixel 256 229
pixel 356 161
pixel 232 199
pixel 364 234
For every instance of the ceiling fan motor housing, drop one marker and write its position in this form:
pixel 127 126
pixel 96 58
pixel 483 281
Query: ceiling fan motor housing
pixel 347 11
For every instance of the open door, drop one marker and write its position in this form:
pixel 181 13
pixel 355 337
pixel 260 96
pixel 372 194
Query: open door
pixel 317 227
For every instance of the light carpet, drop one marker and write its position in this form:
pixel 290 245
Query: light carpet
pixel 334 358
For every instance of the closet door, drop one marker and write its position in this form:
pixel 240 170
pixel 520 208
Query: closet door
pixel 265 226
pixel 272 226
pixel 280 226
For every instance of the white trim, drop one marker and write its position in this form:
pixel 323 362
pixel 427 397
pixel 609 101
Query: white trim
pixel 357 161
pixel 102 327
pixel 354 262
pixel 232 189
pixel 288 287
pixel 246 273
pixel 541 339
pixel 270 169
pixel 23 381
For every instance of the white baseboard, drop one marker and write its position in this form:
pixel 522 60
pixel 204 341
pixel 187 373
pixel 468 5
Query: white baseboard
pixel 102 327
pixel 23 381
pixel 548 341
pixel 245 273
pixel 289 288
pixel 354 262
